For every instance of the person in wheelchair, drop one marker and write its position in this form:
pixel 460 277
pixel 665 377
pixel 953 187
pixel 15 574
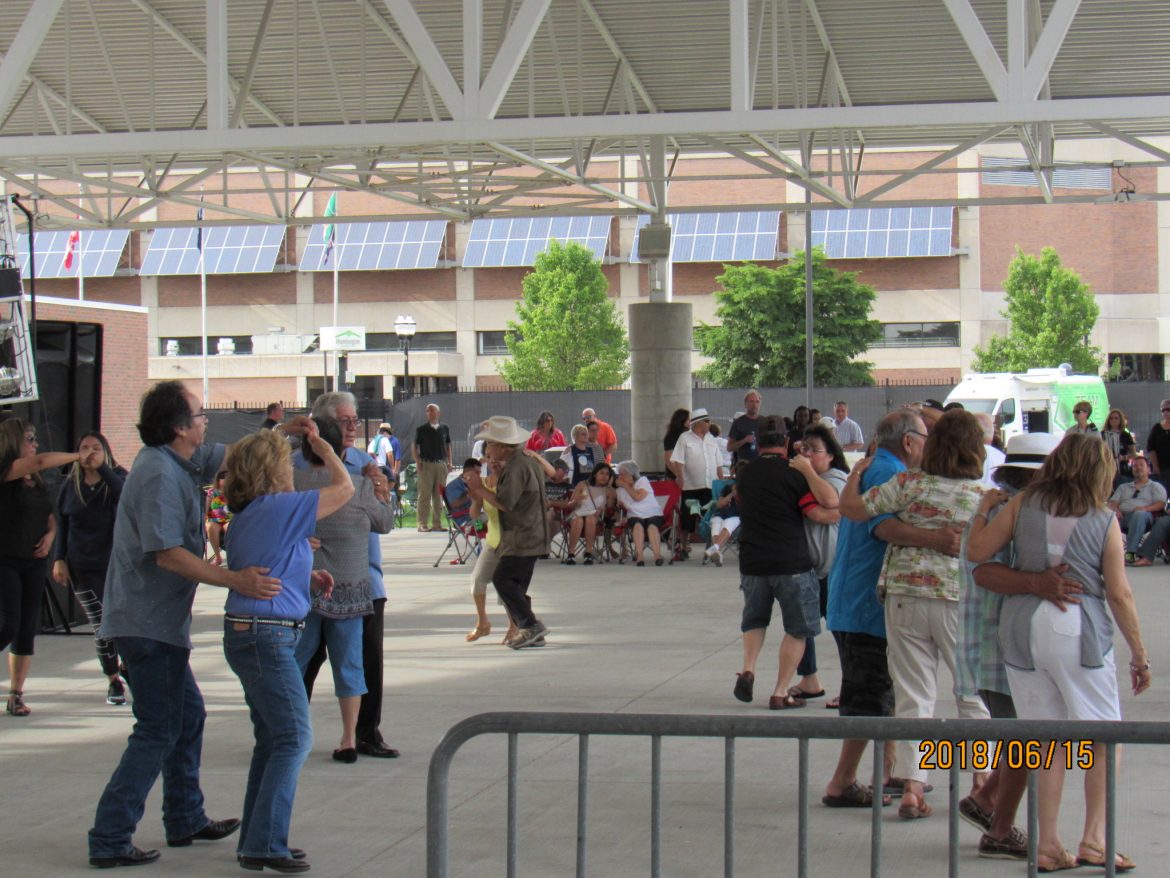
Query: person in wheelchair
pixel 724 523
pixel 592 500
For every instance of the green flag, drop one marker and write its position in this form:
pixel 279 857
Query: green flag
pixel 331 229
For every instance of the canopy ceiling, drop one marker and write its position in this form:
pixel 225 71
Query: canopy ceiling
pixel 574 106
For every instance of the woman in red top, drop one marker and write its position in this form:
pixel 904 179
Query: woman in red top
pixel 546 435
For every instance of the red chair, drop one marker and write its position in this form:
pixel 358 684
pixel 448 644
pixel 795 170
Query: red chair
pixel 669 496
pixel 463 537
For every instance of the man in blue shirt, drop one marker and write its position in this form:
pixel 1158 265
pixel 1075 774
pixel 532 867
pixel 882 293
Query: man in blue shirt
pixel 854 615
pixel 458 500
pixel 155 565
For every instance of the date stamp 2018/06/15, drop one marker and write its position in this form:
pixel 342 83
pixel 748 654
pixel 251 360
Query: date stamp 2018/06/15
pixel 989 755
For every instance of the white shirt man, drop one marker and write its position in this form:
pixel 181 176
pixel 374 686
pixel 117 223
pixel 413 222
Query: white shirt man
pixel 848 430
pixel 696 455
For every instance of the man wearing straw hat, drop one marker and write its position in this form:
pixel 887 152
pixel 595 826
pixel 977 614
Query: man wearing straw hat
pixel 523 525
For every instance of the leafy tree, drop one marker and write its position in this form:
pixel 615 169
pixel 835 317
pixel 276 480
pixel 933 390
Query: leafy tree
pixel 1051 311
pixel 569 335
pixel 760 341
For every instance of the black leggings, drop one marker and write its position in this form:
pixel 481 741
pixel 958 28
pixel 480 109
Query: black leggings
pixel 22 586
pixel 89 585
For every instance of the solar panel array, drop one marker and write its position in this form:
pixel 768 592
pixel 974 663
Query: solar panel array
pixel 226 250
pixel 1062 178
pixel 720 237
pixel 373 246
pixel 96 253
pixel 518 241
pixel 888 232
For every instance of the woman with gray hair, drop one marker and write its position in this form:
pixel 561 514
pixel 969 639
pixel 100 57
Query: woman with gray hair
pixel 643 514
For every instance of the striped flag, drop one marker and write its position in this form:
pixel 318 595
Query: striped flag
pixel 70 245
pixel 199 232
pixel 331 229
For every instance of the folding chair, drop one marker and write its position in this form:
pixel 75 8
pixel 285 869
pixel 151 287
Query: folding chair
pixel 709 512
pixel 669 497
pixel 464 537
pixel 407 492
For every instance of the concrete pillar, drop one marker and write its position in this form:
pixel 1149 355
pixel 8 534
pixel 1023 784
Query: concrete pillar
pixel 660 358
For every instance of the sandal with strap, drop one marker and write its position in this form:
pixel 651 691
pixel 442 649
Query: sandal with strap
pixel 1122 864
pixel 16 705
pixel 479 631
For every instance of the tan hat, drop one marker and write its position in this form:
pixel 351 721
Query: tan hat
pixel 503 429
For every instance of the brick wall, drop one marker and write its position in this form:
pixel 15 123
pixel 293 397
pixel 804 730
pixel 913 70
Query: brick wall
pixel 413 285
pixel 124 376
pixel 1112 246
pixel 182 291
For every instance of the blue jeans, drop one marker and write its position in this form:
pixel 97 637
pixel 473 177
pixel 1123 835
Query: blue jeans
pixel 167 739
pixel 1135 528
pixel 263 657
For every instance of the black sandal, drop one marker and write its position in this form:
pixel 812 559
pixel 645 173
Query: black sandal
pixel 16 705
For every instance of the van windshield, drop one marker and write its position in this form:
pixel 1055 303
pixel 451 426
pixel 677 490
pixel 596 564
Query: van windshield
pixel 979 406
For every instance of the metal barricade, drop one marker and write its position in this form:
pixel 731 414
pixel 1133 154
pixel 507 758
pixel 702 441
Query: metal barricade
pixel 730 728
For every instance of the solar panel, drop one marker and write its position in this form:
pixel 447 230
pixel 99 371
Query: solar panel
pixel 226 250
pixel 719 237
pixel 374 246
pixel 1062 178
pixel 879 233
pixel 96 252
pixel 519 240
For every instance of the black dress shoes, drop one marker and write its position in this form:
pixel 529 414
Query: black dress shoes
pixel 288 865
pixel 213 831
pixel 348 755
pixel 379 750
pixel 295 853
pixel 136 857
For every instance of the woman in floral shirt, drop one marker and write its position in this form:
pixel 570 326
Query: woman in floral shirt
pixel 920 586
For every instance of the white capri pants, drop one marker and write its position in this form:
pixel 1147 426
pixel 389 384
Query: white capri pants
pixel 485 568
pixel 718 525
pixel 1059 688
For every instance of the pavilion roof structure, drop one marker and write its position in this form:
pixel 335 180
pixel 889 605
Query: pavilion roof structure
pixel 473 108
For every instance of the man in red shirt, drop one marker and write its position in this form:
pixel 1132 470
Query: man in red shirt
pixel 606 437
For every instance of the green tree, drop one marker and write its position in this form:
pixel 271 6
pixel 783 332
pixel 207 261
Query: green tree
pixel 760 339
pixel 569 335
pixel 1052 312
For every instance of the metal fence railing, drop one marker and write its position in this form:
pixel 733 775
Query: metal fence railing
pixel 733 728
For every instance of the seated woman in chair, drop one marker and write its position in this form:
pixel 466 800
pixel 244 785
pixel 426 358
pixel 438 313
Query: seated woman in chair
pixel 591 499
pixel 643 514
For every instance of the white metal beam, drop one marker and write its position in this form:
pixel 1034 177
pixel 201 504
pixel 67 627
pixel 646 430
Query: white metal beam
pixel 1047 46
pixel 472 56
pixel 569 176
pixel 620 54
pixel 982 50
pixel 329 138
pixel 217 65
pixel 738 55
pixel 1137 142
pixel 253 60
pixel 24 48
pixel 934 162
pixel 427 54
pixel 183 40
pixel 511 53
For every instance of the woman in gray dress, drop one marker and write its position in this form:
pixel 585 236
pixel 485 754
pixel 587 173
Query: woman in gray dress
pixel 344 552
pixel 1060 659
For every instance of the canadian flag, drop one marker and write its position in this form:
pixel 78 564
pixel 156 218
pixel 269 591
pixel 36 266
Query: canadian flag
pixel 74 237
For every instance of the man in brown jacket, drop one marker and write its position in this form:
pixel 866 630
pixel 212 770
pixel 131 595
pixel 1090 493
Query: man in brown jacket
pixel 523 526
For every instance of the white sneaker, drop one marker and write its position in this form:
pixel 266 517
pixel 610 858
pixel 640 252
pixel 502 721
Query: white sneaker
pixel 715 555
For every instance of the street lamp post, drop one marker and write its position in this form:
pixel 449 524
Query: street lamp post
pixel 405 327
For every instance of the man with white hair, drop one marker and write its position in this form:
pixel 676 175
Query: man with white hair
pixel 848 430
pixel 696 464
pixel 342 407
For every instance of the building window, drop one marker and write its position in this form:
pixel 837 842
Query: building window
pixel 422 341
pixel 190 345
pixel 918 335
pixel 492 343
pixel 1136 367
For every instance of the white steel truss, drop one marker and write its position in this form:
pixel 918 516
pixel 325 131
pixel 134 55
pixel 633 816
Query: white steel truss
pixel 464 108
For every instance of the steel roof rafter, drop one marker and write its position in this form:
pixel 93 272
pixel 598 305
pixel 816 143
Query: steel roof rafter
pixel 33 30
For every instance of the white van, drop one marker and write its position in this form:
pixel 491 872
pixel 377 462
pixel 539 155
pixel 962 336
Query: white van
pixel 1036 401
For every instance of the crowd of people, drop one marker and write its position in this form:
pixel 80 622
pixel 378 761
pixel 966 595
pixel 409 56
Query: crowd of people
pixel 934 548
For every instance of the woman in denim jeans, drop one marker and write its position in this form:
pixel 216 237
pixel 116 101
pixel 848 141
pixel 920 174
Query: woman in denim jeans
pixel 271 528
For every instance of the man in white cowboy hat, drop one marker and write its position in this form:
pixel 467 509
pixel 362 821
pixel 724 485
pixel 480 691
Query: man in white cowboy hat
pixel 523 526
pixel 979 665
pixel 696 463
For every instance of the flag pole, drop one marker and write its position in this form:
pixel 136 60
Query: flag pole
pixel 80 268
pixel 203 301
pixel 336 357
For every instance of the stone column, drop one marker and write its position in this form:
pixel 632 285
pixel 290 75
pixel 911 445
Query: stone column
pixel 660 358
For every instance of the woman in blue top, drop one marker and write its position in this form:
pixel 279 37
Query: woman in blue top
pixel 86 506
pixel 271 527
